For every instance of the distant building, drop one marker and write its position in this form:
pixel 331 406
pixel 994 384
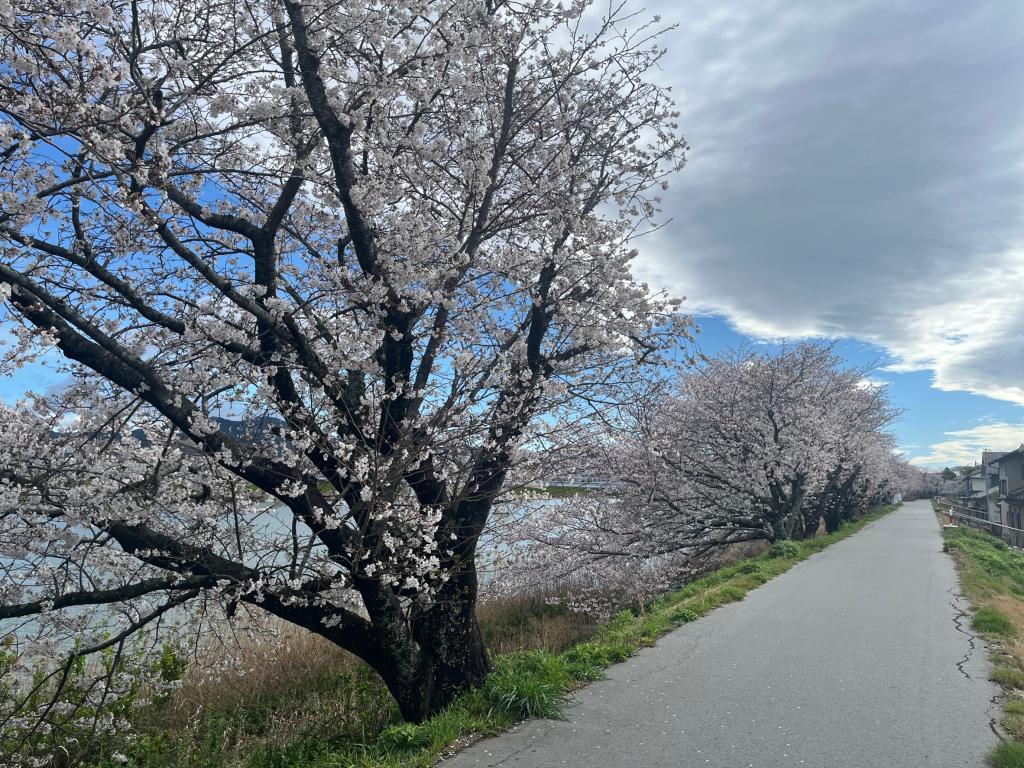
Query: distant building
pixel 591 479
pixel 589 470
pixel 1010 467
pixel 973 492
pixel 991 471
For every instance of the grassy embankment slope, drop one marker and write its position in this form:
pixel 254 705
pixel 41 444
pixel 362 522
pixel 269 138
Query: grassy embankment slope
pixel 992 578
pixel 327 711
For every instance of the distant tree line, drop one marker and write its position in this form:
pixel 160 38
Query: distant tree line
pixel 751 446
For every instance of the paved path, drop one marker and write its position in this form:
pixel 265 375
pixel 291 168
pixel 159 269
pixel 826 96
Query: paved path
pixel 857 657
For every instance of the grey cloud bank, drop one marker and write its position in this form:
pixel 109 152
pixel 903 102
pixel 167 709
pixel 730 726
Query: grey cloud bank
pixel 856 171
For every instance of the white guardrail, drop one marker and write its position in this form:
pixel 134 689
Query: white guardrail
pixel 981 522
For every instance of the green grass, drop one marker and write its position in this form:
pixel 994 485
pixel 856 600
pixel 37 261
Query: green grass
pixel 1007 676
pixel 528 684
pixel 1009 754
pixel 1013 719
pixel 990 571
pixel 523 685
pixel 992 621
pixel 987 565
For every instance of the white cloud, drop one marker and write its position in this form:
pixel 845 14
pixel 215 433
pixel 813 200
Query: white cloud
pixel 965 445
pixel 856 172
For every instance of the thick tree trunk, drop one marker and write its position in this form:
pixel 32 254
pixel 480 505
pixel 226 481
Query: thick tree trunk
pixel 842 508
pixel 834 517
pixel 811 521
pixel 778 528
pixel 452 656
pixel 838 512
pixel 458 661
pixel 795 527
pixel 814 515
pixel 792 516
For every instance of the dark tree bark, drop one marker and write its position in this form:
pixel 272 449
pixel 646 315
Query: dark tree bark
pixel 455 655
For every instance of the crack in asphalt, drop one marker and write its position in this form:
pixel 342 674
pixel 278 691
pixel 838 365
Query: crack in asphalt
pixel 993 705
pixel 958 623
pixel 993 722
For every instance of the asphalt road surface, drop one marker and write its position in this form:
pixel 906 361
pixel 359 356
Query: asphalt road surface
pixel 859 657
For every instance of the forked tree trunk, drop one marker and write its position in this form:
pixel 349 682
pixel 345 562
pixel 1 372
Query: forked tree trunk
pixel 819 512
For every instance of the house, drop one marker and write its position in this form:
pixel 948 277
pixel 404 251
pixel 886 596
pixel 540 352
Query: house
pixel 991 470
pixel 1011 495
pixel 973 492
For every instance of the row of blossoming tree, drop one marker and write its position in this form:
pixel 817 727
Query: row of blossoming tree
pixel 319 275
pixel 750 446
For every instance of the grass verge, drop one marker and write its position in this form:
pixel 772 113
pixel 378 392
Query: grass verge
pixel 992 578
pixel 524 684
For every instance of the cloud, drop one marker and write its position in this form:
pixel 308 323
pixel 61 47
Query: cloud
pixel 965 445
pixel 856 172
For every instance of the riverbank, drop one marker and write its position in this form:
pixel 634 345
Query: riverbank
pixel 314 706
pixel 992 578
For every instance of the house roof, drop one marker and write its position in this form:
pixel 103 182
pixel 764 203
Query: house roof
pixel 1010 455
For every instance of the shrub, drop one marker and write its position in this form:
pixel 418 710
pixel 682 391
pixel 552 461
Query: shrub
pixel 993 621
pixel 683 614
pixel 785 549
pixel 170 664
pixel 528 684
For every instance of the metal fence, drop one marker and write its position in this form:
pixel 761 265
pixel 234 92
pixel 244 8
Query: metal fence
pixel 959 511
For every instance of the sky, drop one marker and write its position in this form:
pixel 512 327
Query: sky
pixel 856 173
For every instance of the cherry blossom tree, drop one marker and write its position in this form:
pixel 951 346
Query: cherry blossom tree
pixel 918 484
pixel 755 434
pixel 863 468
pixel 750 446
pixel 315 269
